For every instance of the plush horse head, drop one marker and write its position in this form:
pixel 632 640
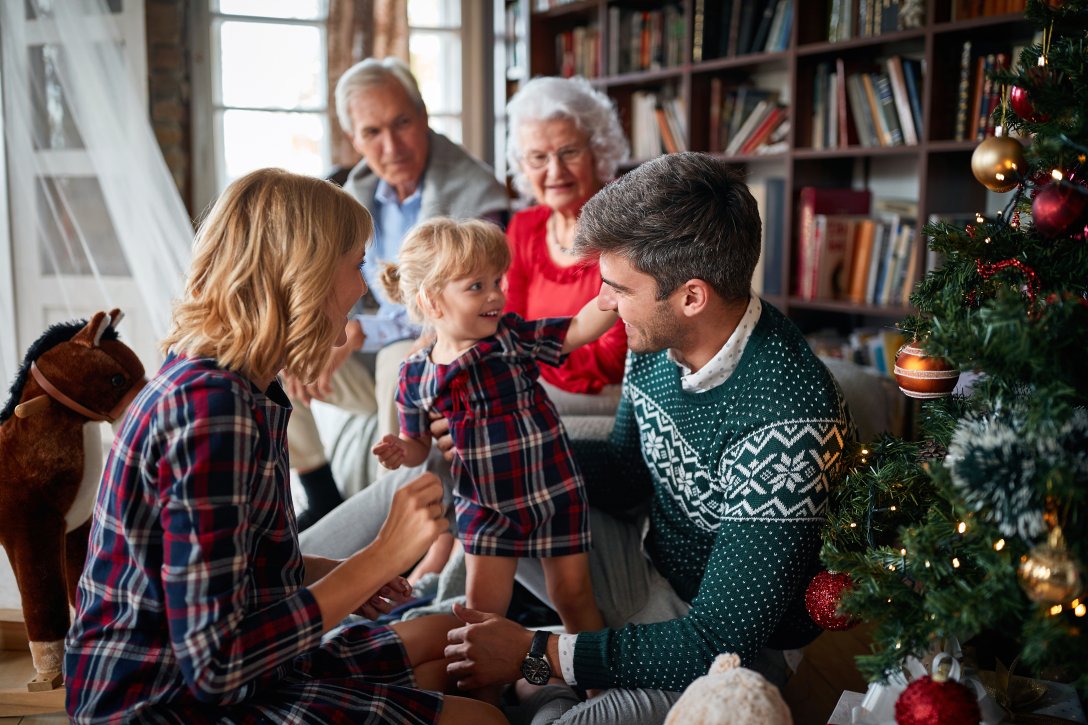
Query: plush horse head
pixel 74 376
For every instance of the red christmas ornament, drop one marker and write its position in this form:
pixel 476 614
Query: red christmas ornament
pixel 822 599
pixel 928 701
pixel 1059 207
pixel 923 377
pixel 1020 103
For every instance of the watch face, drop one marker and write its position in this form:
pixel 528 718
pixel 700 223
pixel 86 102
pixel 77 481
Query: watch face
pixel 536 670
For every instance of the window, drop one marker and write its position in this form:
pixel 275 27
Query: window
pixel 264 86
pixel 268 86
pixel 434 47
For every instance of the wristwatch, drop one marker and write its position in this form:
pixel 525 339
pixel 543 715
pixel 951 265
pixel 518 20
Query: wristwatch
pixel 535 669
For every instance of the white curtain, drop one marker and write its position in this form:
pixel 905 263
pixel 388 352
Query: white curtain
pixel 88 188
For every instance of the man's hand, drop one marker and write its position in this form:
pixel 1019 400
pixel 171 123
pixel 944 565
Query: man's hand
pixel 488 650
pixel 440 433
pixel 390 451
pixel 396 592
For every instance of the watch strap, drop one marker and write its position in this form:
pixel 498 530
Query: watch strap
pixel 539 647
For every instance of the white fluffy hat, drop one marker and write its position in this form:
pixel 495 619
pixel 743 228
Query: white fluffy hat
pixel 730 695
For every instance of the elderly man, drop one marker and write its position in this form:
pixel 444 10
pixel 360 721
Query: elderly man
pixel 728 436
pixel 408 173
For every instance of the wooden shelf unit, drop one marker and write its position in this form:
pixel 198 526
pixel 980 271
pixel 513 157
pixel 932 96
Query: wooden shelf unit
pixel 935 172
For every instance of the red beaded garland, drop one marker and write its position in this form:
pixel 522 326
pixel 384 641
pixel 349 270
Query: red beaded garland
pixel 989 270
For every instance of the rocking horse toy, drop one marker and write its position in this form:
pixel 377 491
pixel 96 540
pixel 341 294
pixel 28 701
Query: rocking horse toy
pixel 74 376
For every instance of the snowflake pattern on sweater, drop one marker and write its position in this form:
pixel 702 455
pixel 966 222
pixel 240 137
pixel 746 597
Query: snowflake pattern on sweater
pixel 740 476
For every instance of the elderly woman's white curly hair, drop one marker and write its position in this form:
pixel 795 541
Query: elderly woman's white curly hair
pixel 593 113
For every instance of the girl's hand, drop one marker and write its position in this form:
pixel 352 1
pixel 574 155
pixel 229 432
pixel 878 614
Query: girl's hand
pixel 390 451
pixel 393 594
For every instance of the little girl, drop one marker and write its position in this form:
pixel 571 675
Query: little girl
pixel 517 489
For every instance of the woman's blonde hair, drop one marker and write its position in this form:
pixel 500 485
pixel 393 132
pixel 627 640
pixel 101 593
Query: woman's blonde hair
pixel 439 250
pixel 263 264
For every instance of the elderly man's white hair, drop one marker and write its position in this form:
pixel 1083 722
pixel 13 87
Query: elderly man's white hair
pixel 551 98
pixel 374 72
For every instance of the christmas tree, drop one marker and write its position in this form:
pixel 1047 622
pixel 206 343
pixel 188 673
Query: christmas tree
pixel 981 525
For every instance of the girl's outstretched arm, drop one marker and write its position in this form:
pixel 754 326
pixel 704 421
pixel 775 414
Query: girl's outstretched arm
pixel 590 323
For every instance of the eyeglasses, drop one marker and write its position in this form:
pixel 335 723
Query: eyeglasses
pixel 568 155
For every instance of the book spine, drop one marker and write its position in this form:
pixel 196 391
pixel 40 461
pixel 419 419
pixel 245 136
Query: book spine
pixel 912 76
pixel 806 240
pixel 698 30
pixel 883 133
pixel 887 109
pixel 963 91
pixel 902 102
pixel 859 110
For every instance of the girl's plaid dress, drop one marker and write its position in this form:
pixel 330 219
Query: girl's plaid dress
pixel 516 487
pixel 191 607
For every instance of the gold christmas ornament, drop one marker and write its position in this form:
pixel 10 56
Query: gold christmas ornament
pixel 923 377
pixel 1048 573
pixel 997 163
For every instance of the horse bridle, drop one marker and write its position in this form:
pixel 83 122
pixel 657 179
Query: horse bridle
pixel 74 405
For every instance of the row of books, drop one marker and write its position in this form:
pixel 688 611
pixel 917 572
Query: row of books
pixel 866 18
pixel 746 120
pixel 977 95
pixel 658 125
pixel 878 105
pixel 578 52
pixel 847 253
pixel 723 28
pixel 964 9
pixel 875 347
pixel 645 39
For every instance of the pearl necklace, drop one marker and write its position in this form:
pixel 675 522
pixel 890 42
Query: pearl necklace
pixel 554 236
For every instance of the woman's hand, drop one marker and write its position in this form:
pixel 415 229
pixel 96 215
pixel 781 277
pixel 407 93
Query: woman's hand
pixel 367 582
pixel 416 517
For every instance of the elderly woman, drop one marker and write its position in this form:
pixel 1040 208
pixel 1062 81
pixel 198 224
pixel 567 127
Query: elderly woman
pixel 565 143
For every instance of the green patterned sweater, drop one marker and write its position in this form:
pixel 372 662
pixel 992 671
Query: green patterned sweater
pixel 740 475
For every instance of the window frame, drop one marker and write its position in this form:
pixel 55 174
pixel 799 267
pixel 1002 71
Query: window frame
pixel 477 64
pixel 209 157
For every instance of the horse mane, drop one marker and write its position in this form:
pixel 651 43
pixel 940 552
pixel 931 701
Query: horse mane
pixel 55 335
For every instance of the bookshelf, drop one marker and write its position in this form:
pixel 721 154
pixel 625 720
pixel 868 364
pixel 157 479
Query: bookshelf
pixel 735 50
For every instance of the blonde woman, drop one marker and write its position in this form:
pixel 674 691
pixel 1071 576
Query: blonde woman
pixel 195 603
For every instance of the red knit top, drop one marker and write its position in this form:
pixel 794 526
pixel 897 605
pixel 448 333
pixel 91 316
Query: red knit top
pixel 537 287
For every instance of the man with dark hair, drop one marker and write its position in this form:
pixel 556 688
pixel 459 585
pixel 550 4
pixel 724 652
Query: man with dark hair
pixel 728 424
